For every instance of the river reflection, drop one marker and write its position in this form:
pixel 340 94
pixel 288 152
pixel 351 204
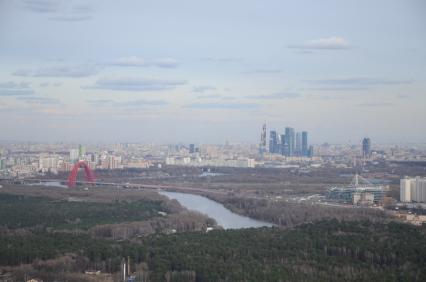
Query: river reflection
pixel 222 215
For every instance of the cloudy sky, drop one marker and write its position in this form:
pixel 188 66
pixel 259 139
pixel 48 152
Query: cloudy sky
pixel 212 71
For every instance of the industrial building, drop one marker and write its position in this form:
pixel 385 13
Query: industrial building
pixel 413 190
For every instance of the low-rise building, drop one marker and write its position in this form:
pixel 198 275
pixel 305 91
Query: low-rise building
pixel 363 198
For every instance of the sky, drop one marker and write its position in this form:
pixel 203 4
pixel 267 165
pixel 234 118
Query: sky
pixel 212 71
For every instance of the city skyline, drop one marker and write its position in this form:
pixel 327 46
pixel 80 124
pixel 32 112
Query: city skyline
pixel 198 73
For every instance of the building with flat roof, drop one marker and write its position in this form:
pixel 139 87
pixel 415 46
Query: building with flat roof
pixel 366 147
pixel 413 190
pixel 360 189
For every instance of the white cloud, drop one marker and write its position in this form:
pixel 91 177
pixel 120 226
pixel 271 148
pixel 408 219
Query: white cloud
pixel 135 84
pixel 328 43
pixel 375 104
pixel 81 70
pixel 276 96
pixel 134 61
pixel 11 88
pixel 202 88
pixel 354 83
pixel 39 100
pixel 166 63
pixel 59 10
pixel 263 71
pixel 225 106
pixel 131 103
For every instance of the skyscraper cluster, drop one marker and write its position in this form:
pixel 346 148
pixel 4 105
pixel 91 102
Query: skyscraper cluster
pixel 290 143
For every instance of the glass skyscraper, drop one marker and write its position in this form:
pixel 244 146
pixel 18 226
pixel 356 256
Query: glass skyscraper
pixel 304 143
pixel 366 147
pixel 273 142
pixel 289 140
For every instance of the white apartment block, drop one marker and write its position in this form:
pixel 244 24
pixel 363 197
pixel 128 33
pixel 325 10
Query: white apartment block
pixel 413 190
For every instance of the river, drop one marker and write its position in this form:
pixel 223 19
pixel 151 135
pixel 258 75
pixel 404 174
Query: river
pixel 224 217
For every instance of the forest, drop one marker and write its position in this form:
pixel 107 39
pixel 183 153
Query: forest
pixel 286 214
pixel 19 211
pixel 329 250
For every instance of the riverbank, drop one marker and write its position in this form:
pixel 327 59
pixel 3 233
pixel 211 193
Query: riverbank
pixel 104 212
pixel 286 214
pixel 223 216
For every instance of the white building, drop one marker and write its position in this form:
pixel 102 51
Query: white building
pixel 48 162
pixel 405 190
pixel 170 161
pixel 363 198
pixel 413 190
pixel 114 162
pixel 251 163
pixel 74 155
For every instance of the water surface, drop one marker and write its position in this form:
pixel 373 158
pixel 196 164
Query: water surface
pixel 224 217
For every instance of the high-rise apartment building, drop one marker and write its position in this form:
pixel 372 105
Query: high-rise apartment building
pixel 405 190
pixel 114 162
pixel 413 190
pixel 48 162
pixel 191 148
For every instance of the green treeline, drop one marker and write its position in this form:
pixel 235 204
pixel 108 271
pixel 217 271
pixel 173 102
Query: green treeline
pixel 27 212
pixel 323 251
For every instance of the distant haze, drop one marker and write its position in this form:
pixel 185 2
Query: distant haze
pixel 212 71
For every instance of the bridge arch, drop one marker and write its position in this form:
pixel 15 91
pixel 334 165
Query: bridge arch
pixel 72 178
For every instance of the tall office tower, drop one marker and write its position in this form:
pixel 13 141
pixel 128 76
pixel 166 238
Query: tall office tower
pixel 366 147
pixel 298 150
pixel 304 143
pixel 311 151
pixel 262 145
pixel 81 151
pixel 278 144
pixel 283 145
pixel 191 148
pixel 273 141
pixel 289 140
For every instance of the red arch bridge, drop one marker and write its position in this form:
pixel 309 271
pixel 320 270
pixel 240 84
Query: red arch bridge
pixel 72 178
